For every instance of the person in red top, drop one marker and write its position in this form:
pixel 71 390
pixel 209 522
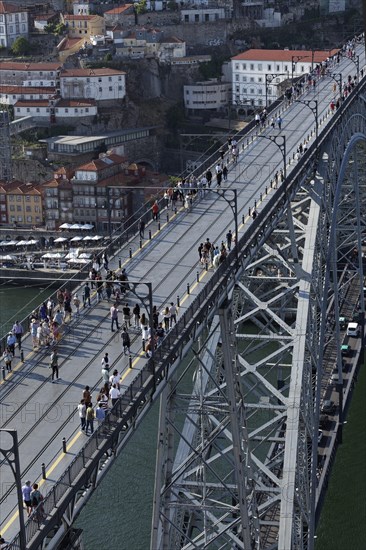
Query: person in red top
pixel 155 210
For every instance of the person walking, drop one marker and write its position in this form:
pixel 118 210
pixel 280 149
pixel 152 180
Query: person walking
pixel 114 317
pixel 173 310
pixel 142 228
pixel 54 365
pixel 82 413
pixel 36 499
pixel 209 178
pixel 76 303
pixel 90 415
pixel 87 396
pixel 114 379
pixel 105 373
pixel 126 311
pixel 155 211
pixel 86 295
pixel 114 394
pixel 100 413
pixel 136 315
pixel 10 342
pixel 126 342
pixel 26 492
pixel 166 318
pixel 224 172
pixel 279 122
pixel 229 238
pixel 7 358
pixel 18 332
pixel 105 361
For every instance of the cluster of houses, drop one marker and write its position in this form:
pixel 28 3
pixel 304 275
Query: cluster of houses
pixel 98 192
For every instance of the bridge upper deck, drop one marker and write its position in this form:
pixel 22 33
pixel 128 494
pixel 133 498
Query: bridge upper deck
pixel 43 413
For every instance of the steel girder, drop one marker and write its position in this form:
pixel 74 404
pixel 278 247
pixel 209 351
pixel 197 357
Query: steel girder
pixel 247 425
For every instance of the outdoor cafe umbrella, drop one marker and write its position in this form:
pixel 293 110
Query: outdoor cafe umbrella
pixel 78 261
pixel 60 240
pixel 9 243
pixel 74 239
pixel 88 238
pixel 21 243
pixel 7 257
pixel 76 226
pixel 53 256
pixel 31 242
pixel 87 226
pixel 66 226
pixel 97 238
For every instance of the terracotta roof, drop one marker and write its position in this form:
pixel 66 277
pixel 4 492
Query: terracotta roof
pixel 5 7
pixel 69 43
pixel 27 90
pixel 32 103
pixel 17 187
pixel 89 72
pixel 307 56
pixel 21 66
pixel 76 103
pixel 57 183
pixel 100 164
pixel 119 9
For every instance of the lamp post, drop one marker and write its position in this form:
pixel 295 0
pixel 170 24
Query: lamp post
pixel 355 60
pixel 10 452
pixel 313 106
pixel 281 145
pixel 297 58
pixel 231 197
pixel 269 77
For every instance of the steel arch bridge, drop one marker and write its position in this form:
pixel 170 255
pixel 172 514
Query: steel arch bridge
pixel 241 470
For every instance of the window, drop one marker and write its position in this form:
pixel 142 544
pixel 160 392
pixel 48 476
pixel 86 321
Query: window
pixel 244 79
pixel 244 66
pixel 252 66
pixel 259 91
pixel 28 110
pixel 20 218
pixel 286 68
pixel 110 88
pixel 19 207
pixel 269 67
pixel 109 79
pixel 207 17
pixel 23 27
pixel 119 78
pixel 19 198
pixel 28 209
pixel 260 67
pixel 11 198
pixel 1 29
pixel 99 80
pixel 66 110
pixel 260 79
pixel 100 89
pixel 76 110
pixel 186 18
pixel 12 208
pixel 120 88
pixel 37 208
pixel 252 91
pixel 29 219
pixel 36 199
pixel 37 110
pixel 251 79
pixel 236 78
pixel 245 91
pixel 236 66
pixel 87 110
pixel 196 18
pixel 278 68
pixel 27 198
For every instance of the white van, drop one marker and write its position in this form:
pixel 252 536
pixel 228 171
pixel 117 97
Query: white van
pixel 353 329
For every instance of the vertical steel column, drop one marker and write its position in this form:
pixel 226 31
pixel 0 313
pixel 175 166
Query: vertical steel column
pixel 236 411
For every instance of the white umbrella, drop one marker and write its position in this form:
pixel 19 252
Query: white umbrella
pixel 53 255
pixel 66 226
pixel 88 238
pixel 97 238
pixel 10 243
pixel 78 261
pixel 87 226
pixel 60 240
pixel 85 255
pixel 7 257
pixel 74 239
pixel 21 243
pixel 32 241
pixel 76 226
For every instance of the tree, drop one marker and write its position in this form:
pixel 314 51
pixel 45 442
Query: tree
pixel 21 46
pixel 141 7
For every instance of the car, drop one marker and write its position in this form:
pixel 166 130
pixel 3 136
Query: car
pixel 328 407
pixel 323 421
pixel 353 329
pixel 320 436
pixel 342 322
pixel 346 350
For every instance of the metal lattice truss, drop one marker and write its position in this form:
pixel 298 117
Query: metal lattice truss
pixel 244 410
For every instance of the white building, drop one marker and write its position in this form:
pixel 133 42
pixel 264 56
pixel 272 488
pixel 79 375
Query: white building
pixel 255 70
pixel 210 95
pixel 203 14
pixel 55 109
pixel 9 95
pixel 33 74
pixel 13 23
pixel 99 84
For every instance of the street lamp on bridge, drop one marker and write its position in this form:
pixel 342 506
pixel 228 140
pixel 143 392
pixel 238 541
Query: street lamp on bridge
pixel 337 77
pixel 313 106
pixel 280 141
pixel 269 77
